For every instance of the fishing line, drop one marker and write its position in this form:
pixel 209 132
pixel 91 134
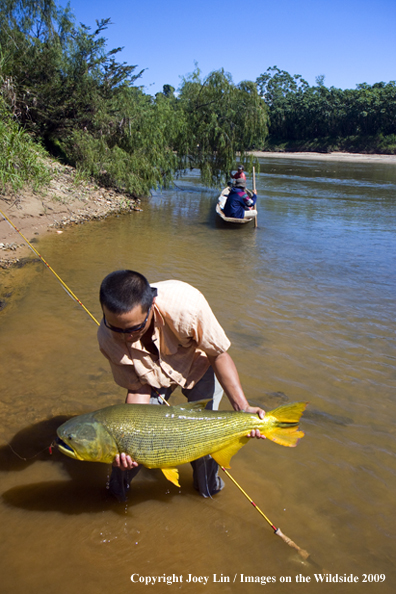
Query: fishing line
pixel 63 284
pixel 53 443
pixel 304 554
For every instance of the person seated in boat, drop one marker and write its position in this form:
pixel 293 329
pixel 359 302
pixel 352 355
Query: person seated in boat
pixel 239 204
pixel 240 174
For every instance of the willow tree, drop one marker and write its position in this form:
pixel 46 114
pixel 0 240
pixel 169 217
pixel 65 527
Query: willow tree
pixel 217 120
pixel 127 143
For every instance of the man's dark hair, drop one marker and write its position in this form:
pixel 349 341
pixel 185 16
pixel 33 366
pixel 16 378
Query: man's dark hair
pixel 123 290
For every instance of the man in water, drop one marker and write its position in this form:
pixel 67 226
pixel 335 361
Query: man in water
pixel 157 337
pixel 239 204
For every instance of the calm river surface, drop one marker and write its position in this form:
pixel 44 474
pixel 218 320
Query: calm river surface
pixel 308 301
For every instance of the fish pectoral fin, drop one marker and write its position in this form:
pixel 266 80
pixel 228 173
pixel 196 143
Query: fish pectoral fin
pixel 172 474
pixel 198 405
pixel 223 456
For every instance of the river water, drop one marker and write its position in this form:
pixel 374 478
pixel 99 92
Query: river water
pixel 308 301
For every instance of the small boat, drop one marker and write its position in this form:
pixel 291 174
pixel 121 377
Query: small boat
pixel 222 199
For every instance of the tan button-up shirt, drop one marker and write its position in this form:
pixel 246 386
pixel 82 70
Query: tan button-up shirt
pixel 185 332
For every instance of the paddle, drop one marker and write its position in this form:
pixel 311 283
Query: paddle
pixel 254 190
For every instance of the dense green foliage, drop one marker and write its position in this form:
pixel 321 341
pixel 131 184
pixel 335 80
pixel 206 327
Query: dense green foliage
pixel 69 91
pixel 299 112
pixel 61 86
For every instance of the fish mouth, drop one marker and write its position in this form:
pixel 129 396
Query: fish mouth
pixel 65 449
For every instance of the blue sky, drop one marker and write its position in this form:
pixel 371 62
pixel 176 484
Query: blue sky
pixel 347 41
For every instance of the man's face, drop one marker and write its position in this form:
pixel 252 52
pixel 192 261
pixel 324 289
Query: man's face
pixel 135 321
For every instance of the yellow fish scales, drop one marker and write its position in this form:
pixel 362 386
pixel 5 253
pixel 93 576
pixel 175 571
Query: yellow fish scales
pixel 165 437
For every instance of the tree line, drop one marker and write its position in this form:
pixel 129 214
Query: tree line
pixel 62 87
pixel 299 113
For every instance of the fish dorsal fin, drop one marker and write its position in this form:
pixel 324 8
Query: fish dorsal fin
pixel 172 474
pixel 223 456
pixel 198 405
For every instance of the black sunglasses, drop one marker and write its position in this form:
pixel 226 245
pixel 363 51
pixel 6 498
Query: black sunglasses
pixel 130 330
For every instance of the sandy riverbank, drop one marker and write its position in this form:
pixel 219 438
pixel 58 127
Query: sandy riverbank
pixel 336 156
pixel 66 201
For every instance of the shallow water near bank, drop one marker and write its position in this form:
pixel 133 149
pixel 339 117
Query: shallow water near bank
pixel 307 300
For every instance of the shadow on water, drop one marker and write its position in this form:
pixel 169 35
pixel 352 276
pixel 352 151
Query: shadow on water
pixel 231 226
pixel 30 445
pixel 85 491
pixel 274 399
pixel 320 417
pixel 247 339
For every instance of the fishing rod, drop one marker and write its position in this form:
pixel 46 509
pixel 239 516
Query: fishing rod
pixel 64 285
pixel 304 554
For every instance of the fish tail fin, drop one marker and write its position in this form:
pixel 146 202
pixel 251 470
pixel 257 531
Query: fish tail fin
pixel 283 428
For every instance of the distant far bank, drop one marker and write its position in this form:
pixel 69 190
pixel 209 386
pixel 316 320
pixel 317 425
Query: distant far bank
pixel 334 156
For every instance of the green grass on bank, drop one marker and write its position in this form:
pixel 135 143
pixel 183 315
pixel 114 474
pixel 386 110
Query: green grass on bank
pixel 21 159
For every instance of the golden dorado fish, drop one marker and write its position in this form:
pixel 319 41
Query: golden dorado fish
pixel 166 436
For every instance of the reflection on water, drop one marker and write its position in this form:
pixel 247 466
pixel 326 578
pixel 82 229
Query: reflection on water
pixel 307 300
